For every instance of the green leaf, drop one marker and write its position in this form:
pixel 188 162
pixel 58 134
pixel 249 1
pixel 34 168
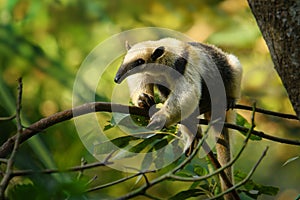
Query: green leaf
pixel 241 121
pixel 290 160
pixel 268 190
pixel 148 159
pixel 253 190
pixel 132 143
pixel 118 118
pixel 200 171
pixel 104 148
pixel 185 173
pixel 111 124
pixel 161 155
pixel 160 144
pixel 195 184
pixel 187 194
pixel 157 152
pixel 120 142
pixel 146 142
pixel 239 176
pixel 172 129
pixel 140 120
pixel 123 141
pixel 203 184
pixel 108 126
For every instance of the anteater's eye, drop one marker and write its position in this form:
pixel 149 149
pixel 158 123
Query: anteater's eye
pixel 140 61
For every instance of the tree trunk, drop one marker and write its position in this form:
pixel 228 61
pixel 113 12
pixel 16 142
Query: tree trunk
pixel 279 22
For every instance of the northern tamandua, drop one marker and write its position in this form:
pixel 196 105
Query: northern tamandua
pixel 183 91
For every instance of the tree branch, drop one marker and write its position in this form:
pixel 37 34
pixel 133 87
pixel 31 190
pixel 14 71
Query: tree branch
pixel 7 118
pixel 72 169
pixel 263 135
pixel 257 133
pixel 267 112
pixel 117 181
pixel 245 179
pixel 11 160
pixel 56 118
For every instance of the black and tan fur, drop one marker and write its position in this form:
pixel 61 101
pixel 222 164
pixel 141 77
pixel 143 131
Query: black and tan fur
pixel 182 92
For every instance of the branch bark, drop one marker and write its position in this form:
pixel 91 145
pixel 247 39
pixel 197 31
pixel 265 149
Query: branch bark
pixel 56 118
pixel 279 22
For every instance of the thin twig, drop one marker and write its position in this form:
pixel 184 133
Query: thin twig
pixel 245 179
pixel 2 160
pixel 82 163
pixel 267 112
pixel 51 171
pixel 72 169
pixel 263 135
pixel 92 180
pixel 10 163
pixel 7 118
pixel 118 181
pixel 146 178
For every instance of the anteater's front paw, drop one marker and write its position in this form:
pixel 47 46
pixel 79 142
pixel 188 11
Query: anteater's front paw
pixel 145 100
pixel 157 121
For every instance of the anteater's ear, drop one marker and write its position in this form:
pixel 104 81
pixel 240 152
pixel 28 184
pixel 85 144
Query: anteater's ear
pixel 157 52
pixel 127 45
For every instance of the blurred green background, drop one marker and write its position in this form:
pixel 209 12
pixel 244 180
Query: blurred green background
pixel 45 42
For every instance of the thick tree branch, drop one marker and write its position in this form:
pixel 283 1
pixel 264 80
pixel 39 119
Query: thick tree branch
pixel 56 118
